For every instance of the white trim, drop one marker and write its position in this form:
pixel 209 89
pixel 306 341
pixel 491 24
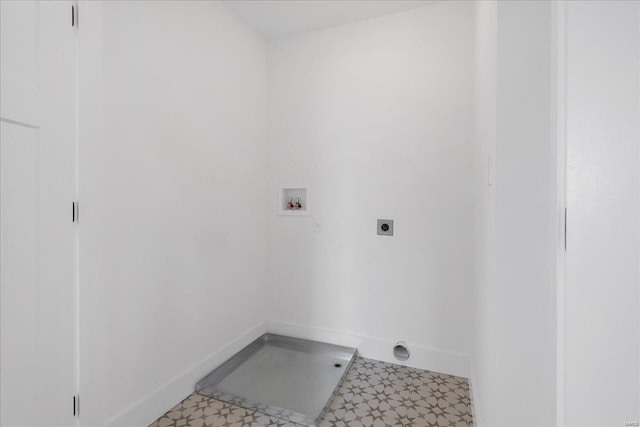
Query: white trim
pixel 446 362
pixel 153 405
pixel 76 231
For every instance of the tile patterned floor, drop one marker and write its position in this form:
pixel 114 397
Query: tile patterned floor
pixel 374 394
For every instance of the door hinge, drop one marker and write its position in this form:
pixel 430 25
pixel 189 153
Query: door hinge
pixel 74 211
pixel 76 406
pixel 74 15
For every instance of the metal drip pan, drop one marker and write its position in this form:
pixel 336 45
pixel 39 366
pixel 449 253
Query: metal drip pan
pixel 289 378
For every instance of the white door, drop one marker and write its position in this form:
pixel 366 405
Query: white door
pixel 37 152
pixel 602 292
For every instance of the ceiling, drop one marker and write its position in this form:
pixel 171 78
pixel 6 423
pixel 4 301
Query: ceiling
pixel 281 18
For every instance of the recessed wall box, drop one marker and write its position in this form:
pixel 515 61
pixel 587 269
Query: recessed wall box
pixel 385 227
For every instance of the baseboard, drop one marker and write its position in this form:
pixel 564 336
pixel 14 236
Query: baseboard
pixel 150 407
pixel 421 357
pixel 155 404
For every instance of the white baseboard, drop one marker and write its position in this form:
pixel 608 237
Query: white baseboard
pixel 155 404
pixel 373 348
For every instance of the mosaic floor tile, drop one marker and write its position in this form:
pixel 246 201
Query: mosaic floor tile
pixel 373 394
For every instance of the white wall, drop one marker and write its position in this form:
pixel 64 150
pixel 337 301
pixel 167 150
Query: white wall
pixel 514 302
pixel 394 117
pixel 172 196
pixel 602 354
pixel 377 118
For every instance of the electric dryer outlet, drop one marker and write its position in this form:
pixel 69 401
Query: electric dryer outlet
pixel 385 227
